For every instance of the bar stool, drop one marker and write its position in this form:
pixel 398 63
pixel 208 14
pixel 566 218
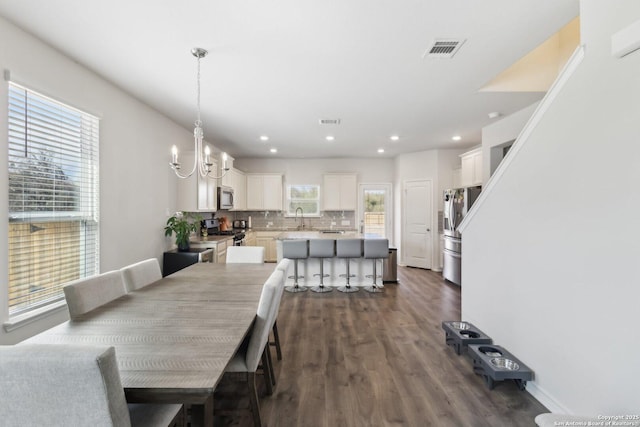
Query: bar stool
pixel 375 249
pixel 321 249
pixel 348 248
pixel 295 250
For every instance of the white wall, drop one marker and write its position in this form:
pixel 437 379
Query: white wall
pixel 500 132
pixel 310 171
pixel 136 184
pixel 550 258
pixel 433 165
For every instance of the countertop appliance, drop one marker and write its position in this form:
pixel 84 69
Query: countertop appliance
pixel 175 260
pixel 240 223
pixel 225 197
pixel 213 229
pixel 457 202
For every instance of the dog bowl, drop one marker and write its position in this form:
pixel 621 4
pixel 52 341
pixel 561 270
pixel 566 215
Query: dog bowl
pixel 490 351
pixel 460 325
pixel 504 363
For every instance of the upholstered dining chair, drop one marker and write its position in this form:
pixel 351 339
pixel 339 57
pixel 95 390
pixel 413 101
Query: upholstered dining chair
pixel 254 350
pixel 277 274
pixel 245 254
pixel 283 266
pixel 141 274
pixel 84 295
pixel 71 385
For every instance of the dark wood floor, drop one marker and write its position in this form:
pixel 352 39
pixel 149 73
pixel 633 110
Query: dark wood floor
pixel 380 360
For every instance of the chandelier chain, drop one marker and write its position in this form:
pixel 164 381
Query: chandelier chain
pixel 198 121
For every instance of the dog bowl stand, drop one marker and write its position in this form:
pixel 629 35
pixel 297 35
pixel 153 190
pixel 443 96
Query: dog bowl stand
pixel 491 373
pixel 460 338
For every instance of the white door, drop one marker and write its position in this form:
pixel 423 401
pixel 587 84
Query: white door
pixel 374 205
pixel 417 241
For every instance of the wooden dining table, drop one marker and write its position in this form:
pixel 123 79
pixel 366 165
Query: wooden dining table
pixel 175 337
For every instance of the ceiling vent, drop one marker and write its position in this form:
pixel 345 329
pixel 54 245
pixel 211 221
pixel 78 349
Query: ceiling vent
pixel 443 48
pixel 329 121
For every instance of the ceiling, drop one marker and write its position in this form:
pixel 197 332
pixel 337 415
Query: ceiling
pixel 276 68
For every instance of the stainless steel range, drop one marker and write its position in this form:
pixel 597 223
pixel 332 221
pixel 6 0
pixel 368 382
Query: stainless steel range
pixel 457 203
pixel 213 229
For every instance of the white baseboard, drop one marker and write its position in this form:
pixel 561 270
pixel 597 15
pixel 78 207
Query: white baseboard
pixel 546 399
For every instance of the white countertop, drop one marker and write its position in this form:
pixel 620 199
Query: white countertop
pixel 289 235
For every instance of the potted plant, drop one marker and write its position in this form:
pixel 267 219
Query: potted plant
pixel 182 224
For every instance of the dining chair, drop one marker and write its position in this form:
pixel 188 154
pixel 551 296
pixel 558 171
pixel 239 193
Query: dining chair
pixel 277 278
pixel 253 351
pixel 71 385
pixel 283 266
pixel 84 295
pixel 141 274
pixel 245 254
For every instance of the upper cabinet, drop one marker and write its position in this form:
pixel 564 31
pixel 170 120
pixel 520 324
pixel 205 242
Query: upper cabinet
pixel 196 193
pixel 471 171
pixel 339 192
pixel 227 179
pixel 264 192
pixel 237 180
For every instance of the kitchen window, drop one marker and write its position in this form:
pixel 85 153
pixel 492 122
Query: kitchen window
pixel 53 198
pixel 305 197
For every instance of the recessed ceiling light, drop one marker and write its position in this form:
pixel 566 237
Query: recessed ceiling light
pixel 380 150
pixel 394 137
pixel 264 138
pixel 274 150
pixel 330 138
pixel 456 137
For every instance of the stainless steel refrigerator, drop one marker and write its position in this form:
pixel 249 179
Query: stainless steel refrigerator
pixel 457 202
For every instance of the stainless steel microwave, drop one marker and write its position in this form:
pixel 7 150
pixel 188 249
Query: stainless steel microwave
pixel 225 198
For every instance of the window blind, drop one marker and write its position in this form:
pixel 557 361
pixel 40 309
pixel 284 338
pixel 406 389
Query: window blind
pixel 53 198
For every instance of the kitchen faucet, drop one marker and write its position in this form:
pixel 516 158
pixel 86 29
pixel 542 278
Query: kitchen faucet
pixel 301 226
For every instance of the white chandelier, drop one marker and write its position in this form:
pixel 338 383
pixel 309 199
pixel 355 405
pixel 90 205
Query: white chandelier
pixel 202 158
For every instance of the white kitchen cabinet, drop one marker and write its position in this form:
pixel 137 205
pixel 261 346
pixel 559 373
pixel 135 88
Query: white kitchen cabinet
pixel 196 194
pixel 227 179
pixel 339 192
pixel 267 239
pixel 471 171
pixel 239 180
pixel 264 192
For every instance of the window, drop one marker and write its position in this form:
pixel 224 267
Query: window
pixel 375 209
pixel 53 198
pixel 305 197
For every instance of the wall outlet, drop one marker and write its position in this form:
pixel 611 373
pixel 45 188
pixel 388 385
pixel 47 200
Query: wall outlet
pixel 333 223
pixel 345 222
pixel 270 223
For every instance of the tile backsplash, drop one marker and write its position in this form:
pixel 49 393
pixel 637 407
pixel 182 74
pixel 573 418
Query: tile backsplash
pixel 339 220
